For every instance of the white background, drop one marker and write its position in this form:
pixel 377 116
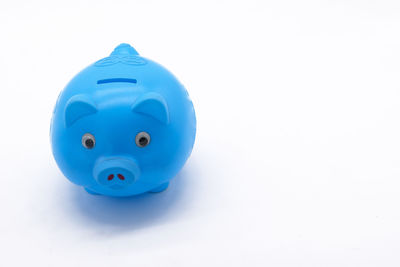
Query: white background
pixel 297 157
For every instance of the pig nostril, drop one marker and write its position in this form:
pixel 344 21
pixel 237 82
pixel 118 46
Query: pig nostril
pixel 110 177
pixel 120 176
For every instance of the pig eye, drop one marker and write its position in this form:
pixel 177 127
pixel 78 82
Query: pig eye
pixel 88 141
pixel 142 139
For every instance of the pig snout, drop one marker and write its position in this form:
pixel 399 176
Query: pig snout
pixel 116 172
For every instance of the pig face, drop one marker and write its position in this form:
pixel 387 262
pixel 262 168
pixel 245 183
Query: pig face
pixel 119 145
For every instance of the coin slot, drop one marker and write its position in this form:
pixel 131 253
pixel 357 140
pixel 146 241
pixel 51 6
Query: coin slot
pixel 117 80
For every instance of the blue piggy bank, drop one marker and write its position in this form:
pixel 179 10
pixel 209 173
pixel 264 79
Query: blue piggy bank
pixel 123 126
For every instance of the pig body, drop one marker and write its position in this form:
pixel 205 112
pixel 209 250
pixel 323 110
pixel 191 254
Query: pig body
pixel 123 126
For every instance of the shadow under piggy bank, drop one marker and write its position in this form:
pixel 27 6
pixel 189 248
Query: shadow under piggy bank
pixel 133 213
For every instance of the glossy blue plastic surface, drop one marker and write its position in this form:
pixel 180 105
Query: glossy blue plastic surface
pixel 114 100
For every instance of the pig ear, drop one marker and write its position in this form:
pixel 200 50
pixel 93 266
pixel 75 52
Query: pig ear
pixel 77 107
pixel 153 105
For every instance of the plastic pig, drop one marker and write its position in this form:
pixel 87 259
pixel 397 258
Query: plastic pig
pixel 123 126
